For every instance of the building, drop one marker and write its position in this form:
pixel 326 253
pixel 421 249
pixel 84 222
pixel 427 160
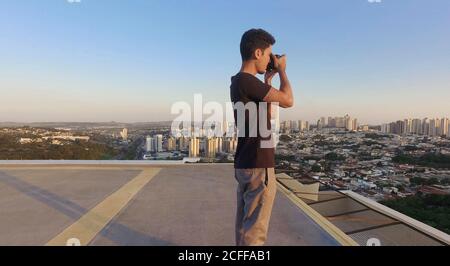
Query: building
pixel 194 147
pixel 319 125
pixel 219 145
pixel 149 144
pixel 230 145
pixel 294 126
pixel 448 130
pixel 416 126
pixel 354 124
pixel 385 128
pixel 407 126
pixel 351 124
pixel 124 134
pixel 340 122
pixel 171 144
pixel 425 126
pixel 158 142
pixel 430 127
pixel 183 143
pixel 211 147
pixel 444 126
pixel 303 125
pixel 331 122
pixel 323 122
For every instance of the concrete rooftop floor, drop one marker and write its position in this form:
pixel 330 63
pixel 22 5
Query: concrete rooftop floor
pixel 188 204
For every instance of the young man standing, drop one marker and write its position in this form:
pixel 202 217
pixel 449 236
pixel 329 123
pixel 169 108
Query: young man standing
pixel 254 162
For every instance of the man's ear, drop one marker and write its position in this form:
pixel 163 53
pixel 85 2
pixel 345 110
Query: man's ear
pixel 258 53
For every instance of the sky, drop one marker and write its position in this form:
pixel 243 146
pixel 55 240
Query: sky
pixel 129 61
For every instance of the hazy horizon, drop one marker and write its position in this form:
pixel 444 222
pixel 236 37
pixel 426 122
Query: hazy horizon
pixel 97 61
pixel 312 122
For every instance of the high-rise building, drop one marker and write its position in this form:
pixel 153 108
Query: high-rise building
pixel 348 123
pixel 399 127
pixel 124 134
pixel 303 125
pixel 210 149
pixel 158 142
pixel 229 145
pixel 287 127
pixel 416 126
pixel 323 121
pixel 425 126
pixel 219 146
pixel 171 144
pixel 433 128
pixel 194 147
pixel 149 147
pixel 407 124
pixel 429 127
pixel 233 145
pixel 354 124
pixel 438 127
pixel 448 130
pixel 444 126
pixel 319 125
pixel 183 143
pixel 340 122
pixel 226 145
pixel 294 126
pixel 331 122
pixel 385 128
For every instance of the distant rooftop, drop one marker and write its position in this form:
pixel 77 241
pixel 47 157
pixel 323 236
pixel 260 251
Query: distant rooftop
pixel 150 203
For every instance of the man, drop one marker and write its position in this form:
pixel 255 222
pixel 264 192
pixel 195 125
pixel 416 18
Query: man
pixel 254 162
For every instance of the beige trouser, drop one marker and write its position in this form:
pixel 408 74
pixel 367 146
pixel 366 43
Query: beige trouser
pixel 255 195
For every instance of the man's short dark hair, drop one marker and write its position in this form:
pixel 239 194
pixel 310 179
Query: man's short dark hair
pixel 255 39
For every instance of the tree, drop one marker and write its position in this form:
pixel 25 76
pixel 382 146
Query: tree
pixel 445 181
pixel 400 188
pixel 432 181
pixel 332 156
pixel 433 210
pixel 417 181
pixel 316 168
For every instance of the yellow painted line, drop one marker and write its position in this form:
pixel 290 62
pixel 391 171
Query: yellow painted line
pixel 90 224
pixel 326 225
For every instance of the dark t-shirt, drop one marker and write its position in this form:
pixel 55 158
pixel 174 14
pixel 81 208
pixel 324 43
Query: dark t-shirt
pixel 246 88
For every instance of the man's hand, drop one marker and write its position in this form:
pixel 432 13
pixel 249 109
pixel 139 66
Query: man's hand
pixel 268 76
pixel 281 63
pixel 283 96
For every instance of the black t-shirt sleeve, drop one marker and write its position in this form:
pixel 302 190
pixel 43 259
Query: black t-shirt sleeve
pixel 254 88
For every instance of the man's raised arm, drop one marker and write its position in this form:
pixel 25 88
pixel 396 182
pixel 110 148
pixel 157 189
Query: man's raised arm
pixel 284 95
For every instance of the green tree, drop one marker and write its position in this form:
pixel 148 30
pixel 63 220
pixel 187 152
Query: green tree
pixel 316 168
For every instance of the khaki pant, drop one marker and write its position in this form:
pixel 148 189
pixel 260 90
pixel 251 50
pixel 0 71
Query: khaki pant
pixel 255 195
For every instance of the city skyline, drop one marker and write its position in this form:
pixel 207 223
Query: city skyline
pixel 97 62
pixel 312 122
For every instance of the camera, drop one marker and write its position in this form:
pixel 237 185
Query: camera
pixel 271 66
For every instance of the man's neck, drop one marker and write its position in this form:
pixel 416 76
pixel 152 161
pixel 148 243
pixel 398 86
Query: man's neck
pixel 248 67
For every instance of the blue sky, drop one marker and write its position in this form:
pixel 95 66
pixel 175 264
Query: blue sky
pixel 103 60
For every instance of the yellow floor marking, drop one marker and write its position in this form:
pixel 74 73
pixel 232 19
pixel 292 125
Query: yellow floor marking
pixel 90 224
